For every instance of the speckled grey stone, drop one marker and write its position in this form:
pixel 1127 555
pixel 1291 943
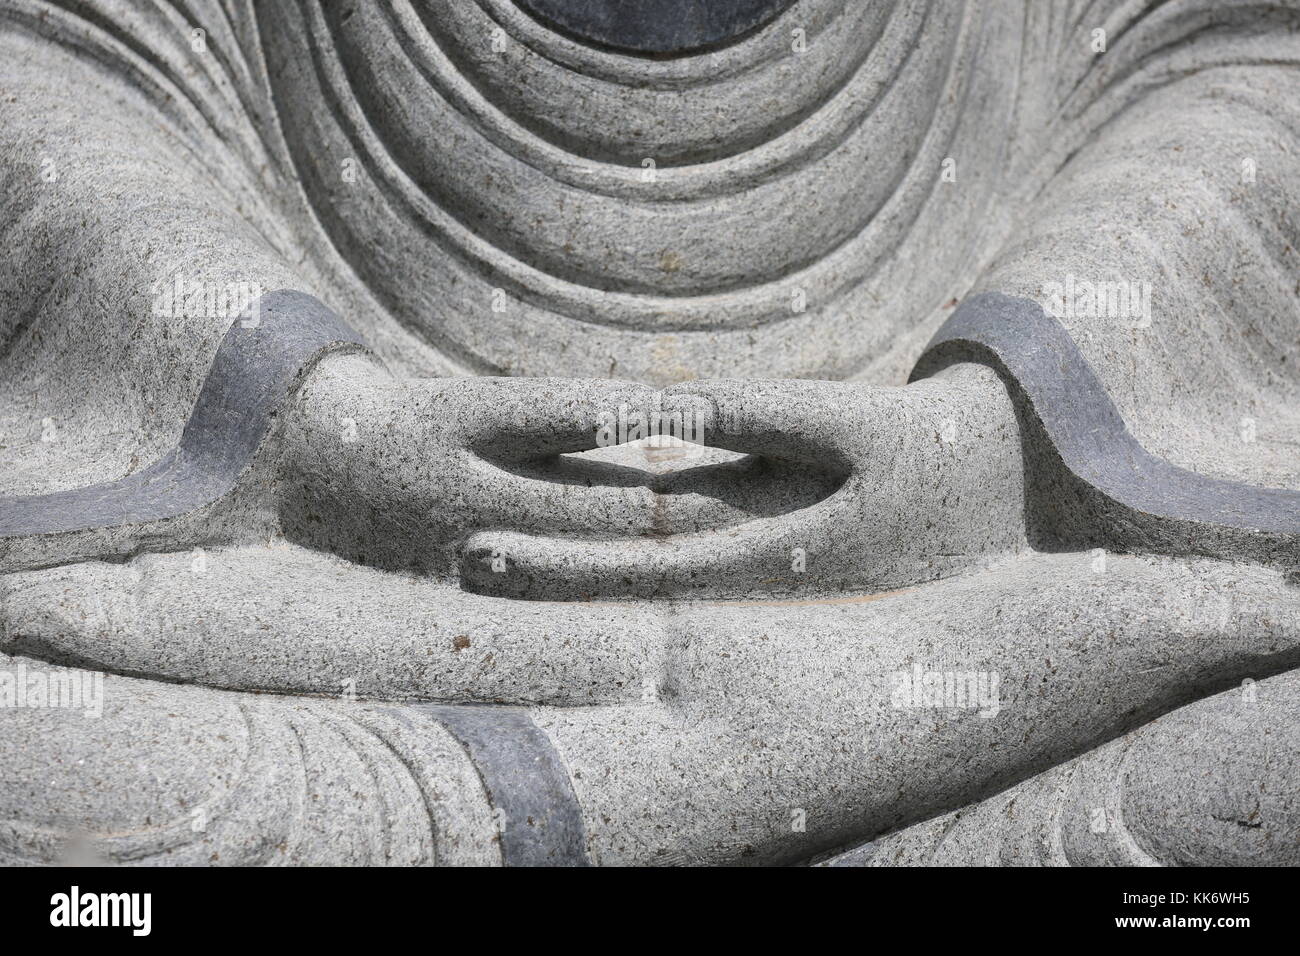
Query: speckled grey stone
pixel 1114 806
pixel 386 580
pixel 1109 490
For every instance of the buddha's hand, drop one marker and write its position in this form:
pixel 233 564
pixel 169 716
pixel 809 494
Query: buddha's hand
pixel 840 484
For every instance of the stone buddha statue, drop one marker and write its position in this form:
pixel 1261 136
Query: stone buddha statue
pixel 573 433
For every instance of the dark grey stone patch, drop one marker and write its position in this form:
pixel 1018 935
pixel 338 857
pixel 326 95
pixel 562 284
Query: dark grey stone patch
pixel 257 361
pixel 524 779
pixel 665 26
pixel 1144 502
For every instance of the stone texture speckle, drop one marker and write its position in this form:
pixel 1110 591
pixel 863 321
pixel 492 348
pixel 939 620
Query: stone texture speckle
pixel 1114 806
pixel 336 342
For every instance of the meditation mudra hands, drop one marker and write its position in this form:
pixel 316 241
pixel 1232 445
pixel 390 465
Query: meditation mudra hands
pixel 485 479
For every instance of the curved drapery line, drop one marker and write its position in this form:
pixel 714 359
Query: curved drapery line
pixel 1145 502
pixel 264 351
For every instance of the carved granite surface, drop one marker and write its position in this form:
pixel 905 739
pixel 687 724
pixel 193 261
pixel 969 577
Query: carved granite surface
pixel 749 432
